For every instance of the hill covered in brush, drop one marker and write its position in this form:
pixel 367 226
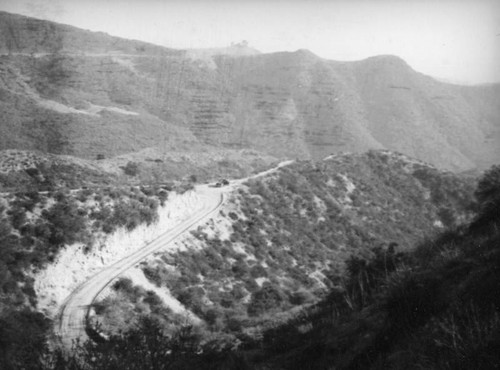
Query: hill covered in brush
pixel 281 242
pixel 434 306
pixel 69 91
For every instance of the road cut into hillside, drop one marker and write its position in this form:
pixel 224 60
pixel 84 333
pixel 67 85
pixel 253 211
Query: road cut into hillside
pixel 71 320
pixel 73 312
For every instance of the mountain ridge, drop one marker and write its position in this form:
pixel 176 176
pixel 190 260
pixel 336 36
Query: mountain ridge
pixel 283 105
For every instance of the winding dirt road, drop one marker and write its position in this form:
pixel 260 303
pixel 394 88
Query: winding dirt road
pixel 73 312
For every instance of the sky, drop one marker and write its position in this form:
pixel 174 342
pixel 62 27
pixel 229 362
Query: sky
pixel 452 40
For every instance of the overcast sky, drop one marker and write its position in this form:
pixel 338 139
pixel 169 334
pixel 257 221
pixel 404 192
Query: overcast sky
pixel 454 40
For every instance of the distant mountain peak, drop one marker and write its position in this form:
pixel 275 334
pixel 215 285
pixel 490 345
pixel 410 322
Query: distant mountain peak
pixel 385 58
pixel 235 50
pixel 290 104
pixel 306 55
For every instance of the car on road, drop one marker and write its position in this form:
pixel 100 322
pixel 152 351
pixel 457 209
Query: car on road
pixel 220 183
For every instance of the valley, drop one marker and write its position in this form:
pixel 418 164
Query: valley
pixel 231 209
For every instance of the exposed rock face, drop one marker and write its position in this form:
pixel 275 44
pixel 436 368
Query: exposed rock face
pixel 69 91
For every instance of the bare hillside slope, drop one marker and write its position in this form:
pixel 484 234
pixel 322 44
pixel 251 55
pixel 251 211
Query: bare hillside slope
pixel 69 91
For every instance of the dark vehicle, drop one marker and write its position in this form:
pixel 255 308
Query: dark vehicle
pixel 224 182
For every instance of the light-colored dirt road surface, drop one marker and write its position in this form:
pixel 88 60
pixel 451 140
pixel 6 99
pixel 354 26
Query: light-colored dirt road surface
pixel 73 312
pixel 72 317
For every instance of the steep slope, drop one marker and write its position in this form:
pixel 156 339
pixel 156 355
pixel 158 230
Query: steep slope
pixel 415 114
pixel 70 91
pixel 323 107
pixel 436 307
pixel 276 246
pixel 74 312
pixel 282 240
pixel 21 34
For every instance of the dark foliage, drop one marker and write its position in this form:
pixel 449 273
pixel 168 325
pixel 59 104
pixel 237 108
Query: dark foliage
pixel 488 187
pixel 148 347
pixel 22 339
pixel 131 169
pixel 434 308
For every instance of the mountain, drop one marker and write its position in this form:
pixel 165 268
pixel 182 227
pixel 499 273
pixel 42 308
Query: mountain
pixel 436 307
pixel 68 91
pixel 303 267
pixel 281 242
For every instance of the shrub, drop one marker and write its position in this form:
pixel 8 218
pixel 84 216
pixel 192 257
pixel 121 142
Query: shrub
pixel 154 274
pixel 301 297
pixel 488 187
pixel 17 217
pixel 258 271
pixel 240 269
pixel 411 301
pixel 66 224
pixel 268 297
pixel 131 169
pixel 192 297
pixel 22 339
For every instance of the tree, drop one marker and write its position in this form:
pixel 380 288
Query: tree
pixel 22 339
pixel 488 187
pixel 488 195
pixel 268 297
pixel 131 169
pixel 65 222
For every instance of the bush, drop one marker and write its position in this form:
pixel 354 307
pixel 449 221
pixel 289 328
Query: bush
pixel 22 339
pixel 148 347
pixel 192 298
pixel 268 297
pixel 67 225
pixel 488 187
pixel 464 338
pixel 413 300
pixel 131 169
pixel 301 297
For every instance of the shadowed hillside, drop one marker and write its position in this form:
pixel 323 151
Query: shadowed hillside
pixel 436 307
pixel 385 306
pixel 281 242
pixel 363 252
pixel 69 91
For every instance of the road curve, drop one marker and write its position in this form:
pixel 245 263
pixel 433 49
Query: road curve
pixel 73 313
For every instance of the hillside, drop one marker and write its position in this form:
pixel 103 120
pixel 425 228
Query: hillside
pixel 387 306
pixel 281 242
pixel 69 91
pixel 436 307
pixel 366 246
pixel 35 226
pixel 279 245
